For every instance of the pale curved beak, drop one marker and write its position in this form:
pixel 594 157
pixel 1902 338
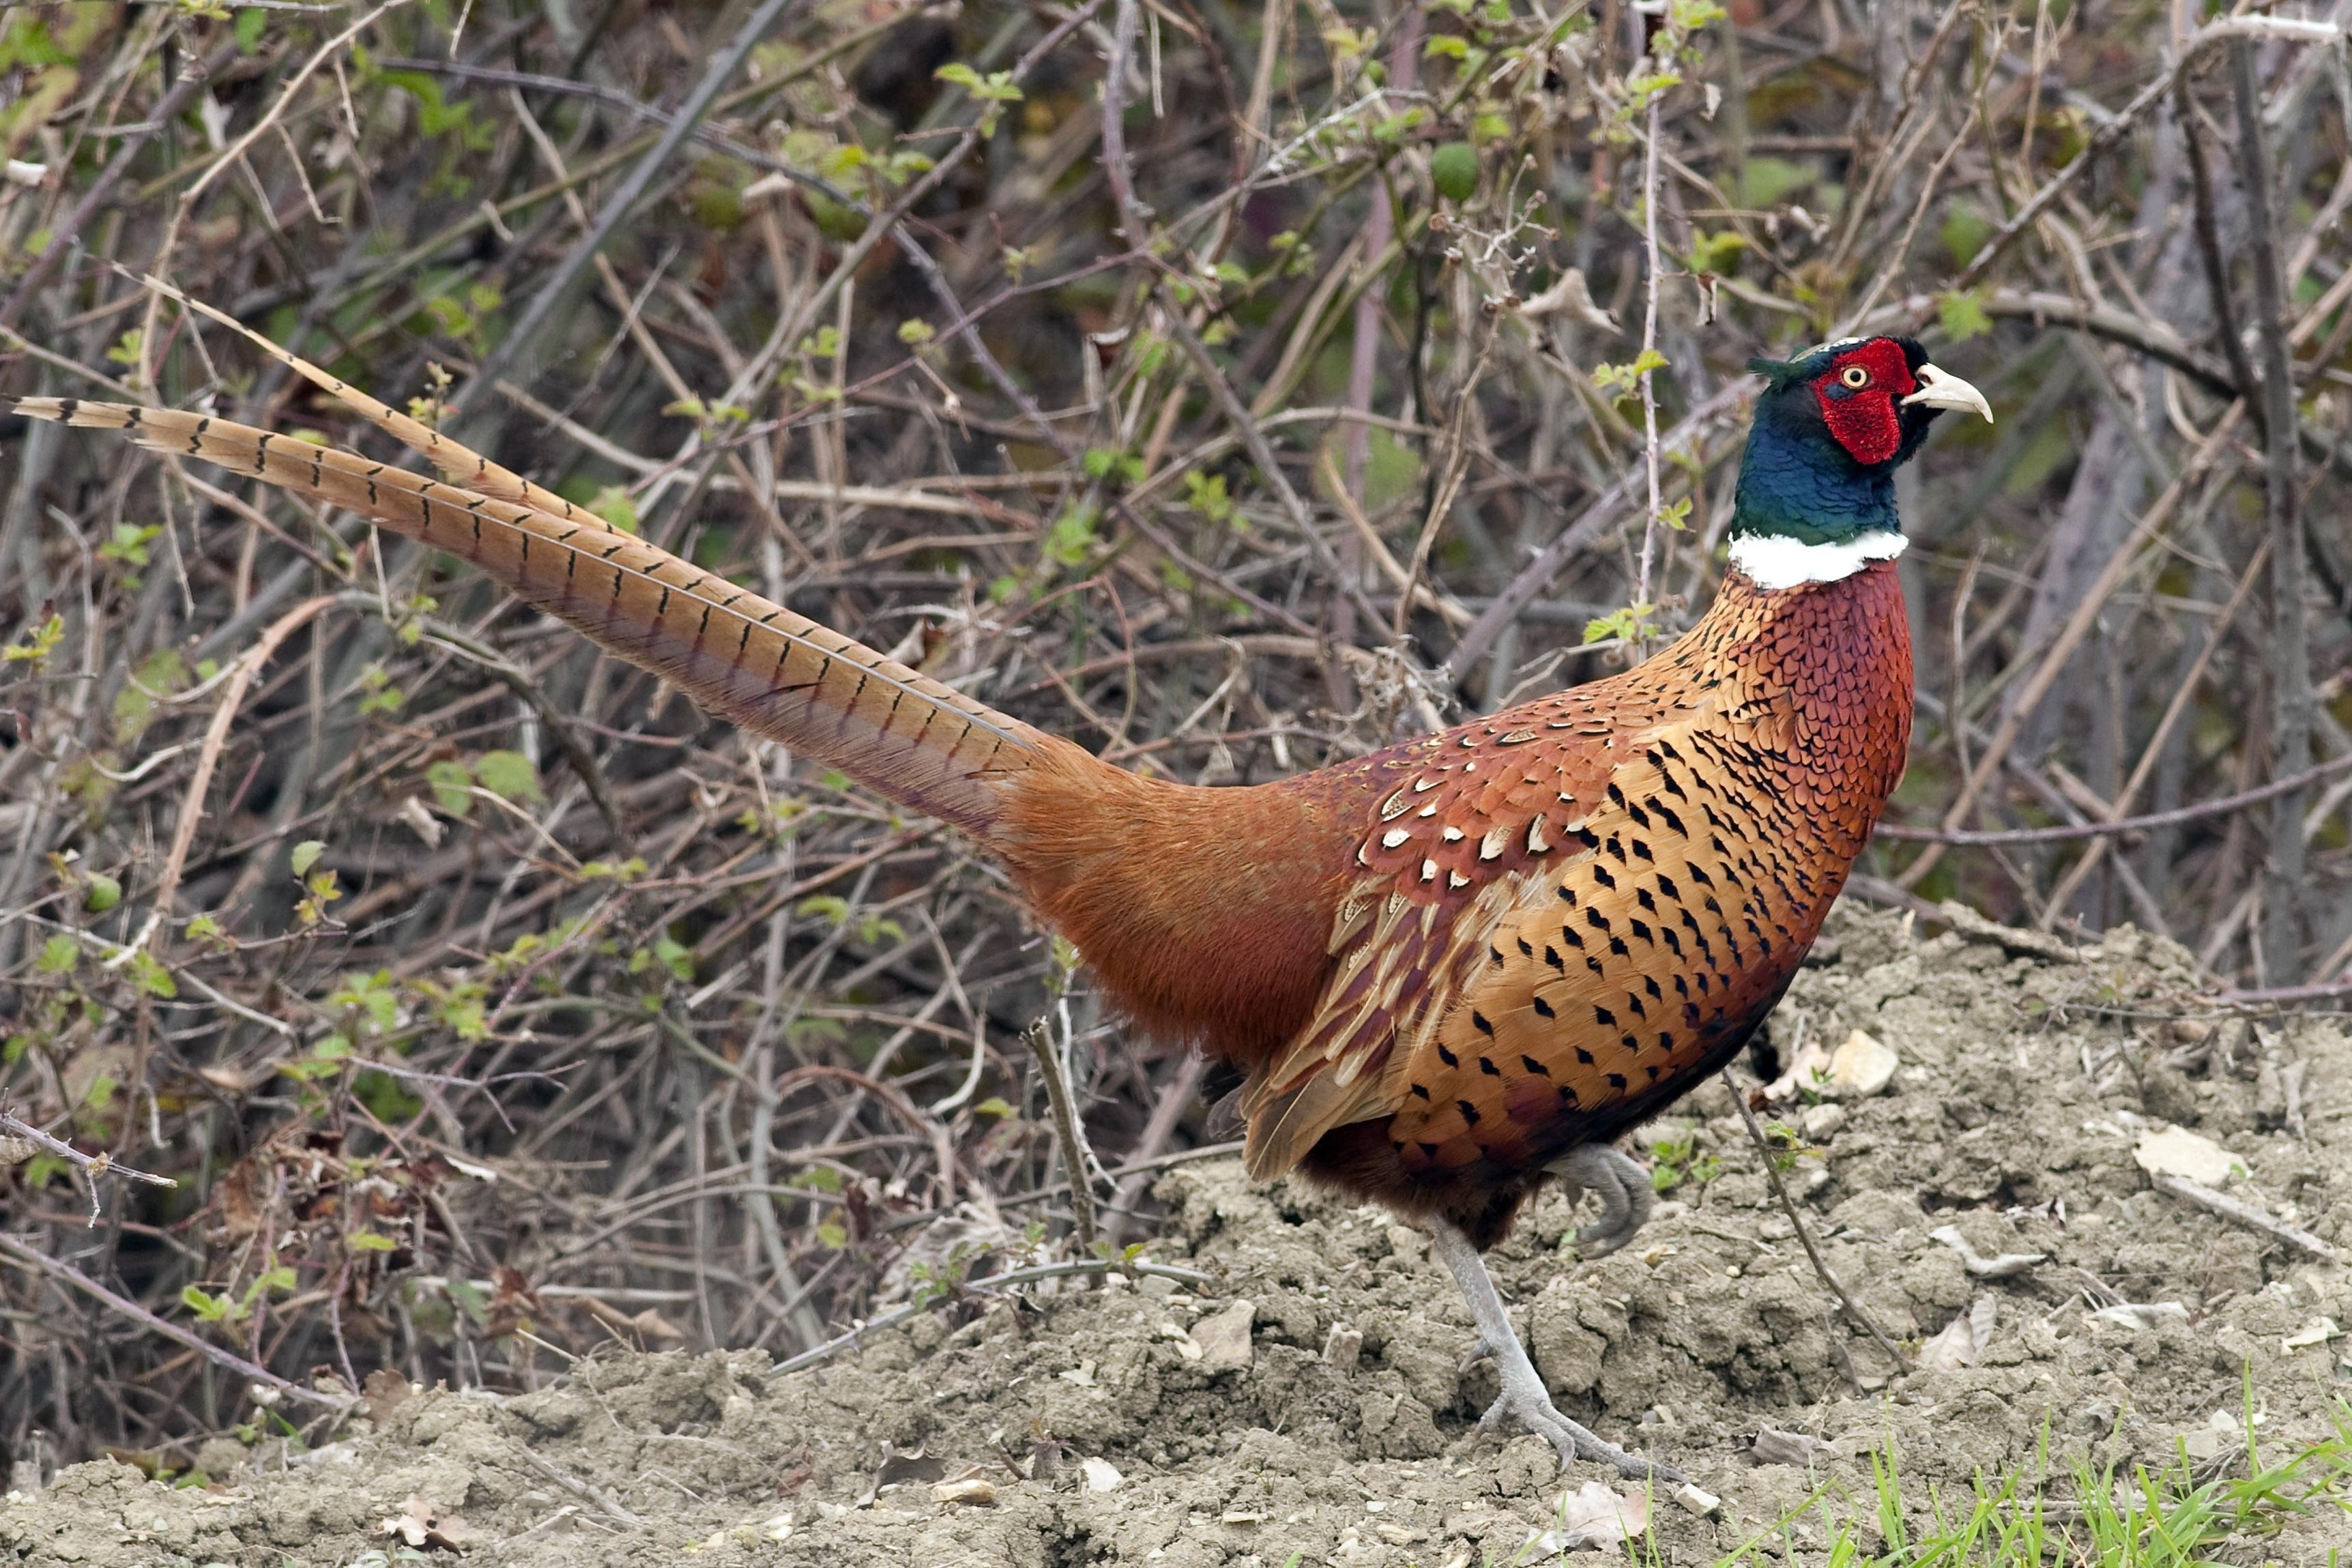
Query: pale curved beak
pixel 1942 389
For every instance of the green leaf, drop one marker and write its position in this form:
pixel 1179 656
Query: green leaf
pixel 1119 467
pixel 1765 181
pixel 831 907
pixel 1625 379
pixel 369 1241
pixel 615 506
pixel 305 855
pixel 58 955
pixel 386 1100
pixel 1963 316
pixel 677 957
pixel 209 1308
pixel 151 976
pixel 1206 493
pixel 1716 253
pixel 451 782
pixel 1072 537
pixel 477 1305
pixel 36 643
pixel 509 776
pixel 1964 232
pixel 1628 624
pixel 158 675
pixel 995 88
pixel 996 1106
pixel 831 1232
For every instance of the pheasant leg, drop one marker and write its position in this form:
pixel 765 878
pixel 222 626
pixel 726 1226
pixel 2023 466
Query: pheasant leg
pixel 1524 1399
pixel 1620 1183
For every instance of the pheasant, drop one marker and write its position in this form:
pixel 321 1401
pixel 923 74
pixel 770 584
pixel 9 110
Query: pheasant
pixel 1446 971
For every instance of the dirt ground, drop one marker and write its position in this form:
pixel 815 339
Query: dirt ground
pixel 1309 1405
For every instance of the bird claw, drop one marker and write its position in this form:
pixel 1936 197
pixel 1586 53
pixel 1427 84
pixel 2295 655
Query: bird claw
pixel 1622 1186
pixel 1479 1351
pixel 1525 1398
pixel 1569 1440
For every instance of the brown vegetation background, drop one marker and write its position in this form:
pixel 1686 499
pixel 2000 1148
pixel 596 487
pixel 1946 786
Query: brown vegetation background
pixel 1234 412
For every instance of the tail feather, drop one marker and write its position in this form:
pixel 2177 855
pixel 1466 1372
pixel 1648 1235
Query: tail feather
pixel 773 672
pixel 459 464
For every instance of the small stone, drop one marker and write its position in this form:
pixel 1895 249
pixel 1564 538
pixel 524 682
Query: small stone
pixel 1820 1123
pixel 2317 1331
pixel 1704 1504
pixel 1101 1476
pixel 2176 1152
pixel 1863 1066
pixel 1343 1349
pixel 1224 1338
pixel 977 1491
pixel 2205 1443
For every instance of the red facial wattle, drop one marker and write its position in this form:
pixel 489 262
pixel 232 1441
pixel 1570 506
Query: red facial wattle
pixel 1860 396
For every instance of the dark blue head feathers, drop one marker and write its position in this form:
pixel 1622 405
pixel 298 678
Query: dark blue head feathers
pixel 1829 433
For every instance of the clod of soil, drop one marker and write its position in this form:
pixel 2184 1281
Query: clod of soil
pixel 1986 1207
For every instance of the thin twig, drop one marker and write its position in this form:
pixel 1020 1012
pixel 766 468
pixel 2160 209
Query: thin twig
pixel 1853 1310
pixel 1077 1160
pixel 91 1166
pixel 2285 897
pixel 171 1331
pixel 2246 1215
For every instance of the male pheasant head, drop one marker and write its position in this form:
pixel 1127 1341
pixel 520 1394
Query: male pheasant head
pixel 1816 497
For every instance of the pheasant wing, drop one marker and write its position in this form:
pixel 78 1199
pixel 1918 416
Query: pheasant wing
pixel 1461 829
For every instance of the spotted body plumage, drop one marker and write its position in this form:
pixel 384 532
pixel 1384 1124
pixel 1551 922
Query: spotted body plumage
pixel 1565 915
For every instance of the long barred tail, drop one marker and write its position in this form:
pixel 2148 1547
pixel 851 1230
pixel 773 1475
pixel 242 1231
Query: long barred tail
pixel 773 672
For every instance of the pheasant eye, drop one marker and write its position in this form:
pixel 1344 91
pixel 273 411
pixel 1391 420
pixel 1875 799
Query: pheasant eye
pixel 1854 375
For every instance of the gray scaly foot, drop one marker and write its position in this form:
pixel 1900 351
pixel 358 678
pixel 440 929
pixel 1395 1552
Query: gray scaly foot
pixel 1524 1399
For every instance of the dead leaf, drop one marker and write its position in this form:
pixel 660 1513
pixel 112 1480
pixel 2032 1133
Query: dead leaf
pixel 385 1392
pixel 903 1470
pixel 1572 298
pixel 1963 1340
pixel 513 1304
pixel 1594 1517
pixel 1774 1446
pixel 422 1525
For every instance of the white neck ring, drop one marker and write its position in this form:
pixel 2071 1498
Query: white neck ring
pixel 1775 561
